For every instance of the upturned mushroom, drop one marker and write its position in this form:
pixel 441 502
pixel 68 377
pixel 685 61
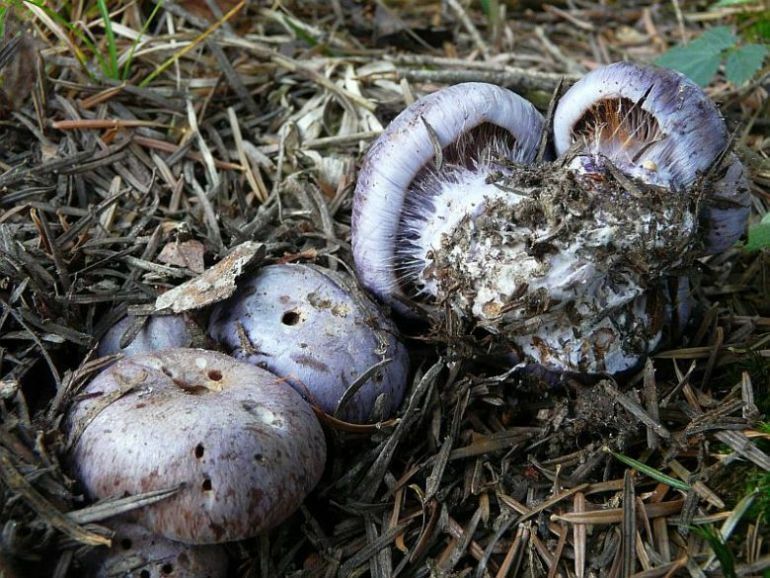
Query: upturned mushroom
pixel 429 173
pixel 658 127
pixel 317 329
pixel 568 263
pixel 241 448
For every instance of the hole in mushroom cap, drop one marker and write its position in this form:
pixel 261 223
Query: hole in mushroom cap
pixel 191 388
pixel 258 457
pixel 215 375
pixel 206 485
pixel 144 574
pixel 199 451
pixel 290 318
pixel 126 543
pixel 167 569
pixel 619 128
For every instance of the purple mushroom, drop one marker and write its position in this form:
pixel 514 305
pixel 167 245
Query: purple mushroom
pixel 407 198
pixel 156 332
pixel 657 126
pixel 320 332
pixel 242 449
pixel 567 263
pixel 138 553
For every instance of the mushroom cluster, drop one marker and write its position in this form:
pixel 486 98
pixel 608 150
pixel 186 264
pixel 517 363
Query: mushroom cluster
pixel 576 264
pixel 233 436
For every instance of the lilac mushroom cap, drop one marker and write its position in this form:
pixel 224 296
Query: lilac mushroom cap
pixel 243 449
pixel 138 553
pixel 400 192
pixel 656 125
pixel 320 332
pixel 157 332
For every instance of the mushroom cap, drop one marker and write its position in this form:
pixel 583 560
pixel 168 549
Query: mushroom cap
pixel 138 553
pixel 158 332
pixel 691 133
pixel 658 126
pixel 726 210
pixel 318 330
pixel 243 448
pixel 406 147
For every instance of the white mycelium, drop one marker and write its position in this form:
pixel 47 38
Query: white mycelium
pixel 558 264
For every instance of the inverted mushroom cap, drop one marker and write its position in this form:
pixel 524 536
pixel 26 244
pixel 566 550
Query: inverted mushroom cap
pixel 243 448
pixel 320 332
pixel 471 123
pixel 138 553
pixel 158 332
pixel 653 122
pixel 656 125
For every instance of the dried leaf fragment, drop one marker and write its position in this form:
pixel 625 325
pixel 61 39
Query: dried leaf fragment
pixel 213 285
pixel 185 254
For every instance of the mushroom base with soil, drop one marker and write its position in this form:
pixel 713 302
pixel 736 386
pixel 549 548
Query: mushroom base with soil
pixel 567 267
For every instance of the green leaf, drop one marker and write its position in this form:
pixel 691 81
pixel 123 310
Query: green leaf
pixel 717 38
pixel 699 60
pixel 698 63
pixel 744 62
pixel 759 235
pixel 651 472
pixel 722 552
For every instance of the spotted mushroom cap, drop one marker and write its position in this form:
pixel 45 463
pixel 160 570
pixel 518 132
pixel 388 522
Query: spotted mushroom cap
pixel 318 330
pixel 458 119
pixel 242 447
pixel 157 332
pixel 138 553
pixel 656 125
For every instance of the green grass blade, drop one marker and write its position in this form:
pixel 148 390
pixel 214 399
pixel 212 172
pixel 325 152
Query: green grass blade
pixel 651 472
pixel 135 43
pixel 112 68
pixel 79 55
pixel 721 551
pixel 3 15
